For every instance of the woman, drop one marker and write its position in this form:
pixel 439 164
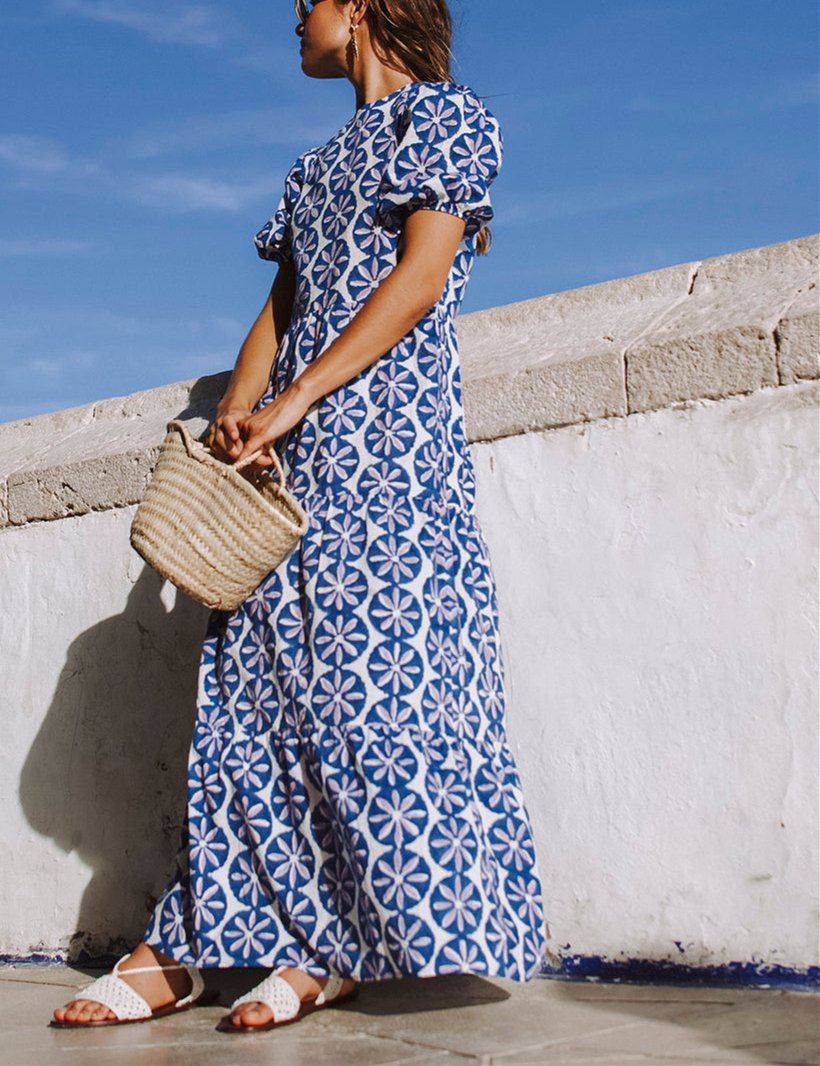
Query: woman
pixel 354 809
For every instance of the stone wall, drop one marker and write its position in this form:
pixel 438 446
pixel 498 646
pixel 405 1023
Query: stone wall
pixel 646 454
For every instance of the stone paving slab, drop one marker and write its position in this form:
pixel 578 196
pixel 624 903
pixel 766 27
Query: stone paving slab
pixel 416 1022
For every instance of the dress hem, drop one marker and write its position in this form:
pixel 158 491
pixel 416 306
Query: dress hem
pixel 319 971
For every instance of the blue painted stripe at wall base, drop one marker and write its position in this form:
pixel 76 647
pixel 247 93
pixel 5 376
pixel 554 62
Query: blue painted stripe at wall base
pixel 572 968
pixel 662 972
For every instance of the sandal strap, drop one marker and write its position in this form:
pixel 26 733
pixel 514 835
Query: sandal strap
pixel 145 969
pixel 197 985
pixel 332 988
pixel 116 994
pixel 277 993
pixel 197 982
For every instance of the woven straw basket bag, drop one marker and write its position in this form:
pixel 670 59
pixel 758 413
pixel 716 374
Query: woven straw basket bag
pixel 214 529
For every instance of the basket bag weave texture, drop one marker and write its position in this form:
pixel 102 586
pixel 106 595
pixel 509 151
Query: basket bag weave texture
pixel 213 529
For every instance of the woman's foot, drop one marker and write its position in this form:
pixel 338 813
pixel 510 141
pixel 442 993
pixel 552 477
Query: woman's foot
pixel 158 987
pixel 306 987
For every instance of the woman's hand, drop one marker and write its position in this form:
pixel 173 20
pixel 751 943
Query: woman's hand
pixel 271 422
pixel 225 433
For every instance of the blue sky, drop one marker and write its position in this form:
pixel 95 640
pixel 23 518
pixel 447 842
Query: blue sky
pixel 144 142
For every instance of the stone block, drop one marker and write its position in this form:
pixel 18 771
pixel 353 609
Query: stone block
pixel 568 327
pixel 720 341
pixel 77 488
pixel 545 396
pixel 798 337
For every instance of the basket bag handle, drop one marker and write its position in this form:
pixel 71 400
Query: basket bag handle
pixel 197 450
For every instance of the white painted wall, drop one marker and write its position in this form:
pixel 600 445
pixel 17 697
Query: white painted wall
pixel 99 662
pixel 658 585
pixel 658 588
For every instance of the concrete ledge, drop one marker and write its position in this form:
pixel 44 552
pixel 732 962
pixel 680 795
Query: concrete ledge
pixel 704 330
pixel 94 457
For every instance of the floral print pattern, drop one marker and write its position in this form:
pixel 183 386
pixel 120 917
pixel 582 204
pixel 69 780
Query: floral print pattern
pixel 354 806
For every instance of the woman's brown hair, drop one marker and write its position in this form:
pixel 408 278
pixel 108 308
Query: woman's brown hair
pixel 419 35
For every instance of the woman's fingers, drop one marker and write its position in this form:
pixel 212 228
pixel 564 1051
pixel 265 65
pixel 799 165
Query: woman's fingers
pixel 264 459
pixel 263 428
pixel 225 439
pixel 220 443
pixel 253 444
pixel 232 446
pixel 229 436
pixel 230 426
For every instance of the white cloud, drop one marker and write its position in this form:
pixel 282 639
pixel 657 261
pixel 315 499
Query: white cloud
pixel 79 335
pixel 27 152
pixel 55 366
pixel 559 203
pixel 208 133
pixel 32 162
pixel 181 194
pixel 41 247
pixel 739 100
pixel 796 90
pixel 179 22
pixel 38 162
pixel 54 357
pixel 14 412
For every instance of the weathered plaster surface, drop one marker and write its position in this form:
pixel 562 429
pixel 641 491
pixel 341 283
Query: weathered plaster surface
pixel 658 589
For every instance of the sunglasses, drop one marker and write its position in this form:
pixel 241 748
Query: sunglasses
pixel 302 10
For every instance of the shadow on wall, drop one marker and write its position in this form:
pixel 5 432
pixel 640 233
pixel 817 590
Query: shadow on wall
pixel 110 761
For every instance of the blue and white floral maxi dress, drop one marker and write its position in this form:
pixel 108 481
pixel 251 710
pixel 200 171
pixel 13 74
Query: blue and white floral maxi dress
pixel 353 804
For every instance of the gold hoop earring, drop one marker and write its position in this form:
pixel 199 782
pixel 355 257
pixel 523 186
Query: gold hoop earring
pixel 355 43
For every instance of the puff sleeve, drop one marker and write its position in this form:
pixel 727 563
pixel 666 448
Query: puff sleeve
pixel 275 240
pixel 448 153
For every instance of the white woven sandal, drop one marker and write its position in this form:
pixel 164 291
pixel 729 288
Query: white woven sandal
pixel 126 1002
pixel 283 999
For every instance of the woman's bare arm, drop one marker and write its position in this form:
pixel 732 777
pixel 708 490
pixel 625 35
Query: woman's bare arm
pixel 251 373
pixel 431 239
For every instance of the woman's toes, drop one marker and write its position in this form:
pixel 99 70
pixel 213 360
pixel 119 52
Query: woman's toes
pixel 86 1010
pixel 82 1010
pixel 67 1013
pixel 252 1014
